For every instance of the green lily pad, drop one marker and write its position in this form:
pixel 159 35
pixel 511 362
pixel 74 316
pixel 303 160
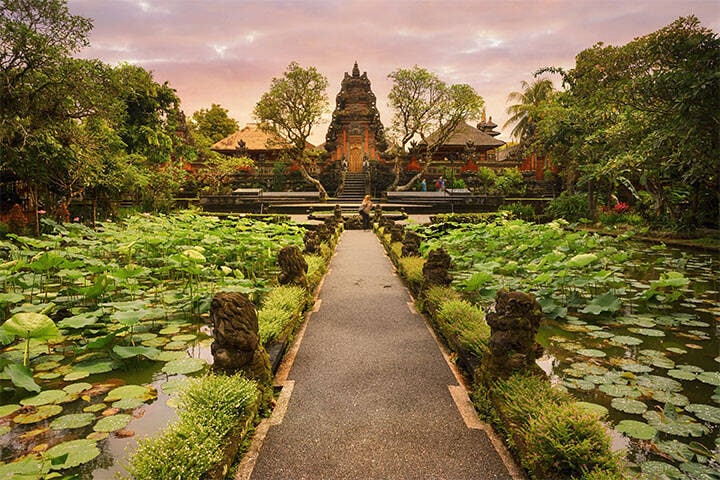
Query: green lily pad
pixel 675 398
pixel 712 378
pixel 44 366
pixel 601 334
pixel 174 385
pixel 156 342
pixel 78 452
pixel 112 423
pixel 6 410
pixel 95 407
pixel 582 260
pixel 30 468
pixel 625 340
pixel 187 337
pixel 656 382
pixel 679 351
pixel 632 366
pixel 80 321
pixel 648 332
pixel 184 366
pixel 21 376
pixel 130 352
pixel 635 429
pixel 705 412
pixel 656 469
pixel 129 403
pixel 606 302
pixel 169 356
pixel 679 451
pixel 698 471
pixel 98 365
pixel 73 420
pixel 593 408
pixel 591 352
pixel 682 425
pixel 31 325
pixel 43 412
pixel 578 384
pixel 75 388
pixel 76 375
pixel 171 330
pixel 628 405
pixel 130 391
pixel 681 374
pixel 45 397
pixel 620 390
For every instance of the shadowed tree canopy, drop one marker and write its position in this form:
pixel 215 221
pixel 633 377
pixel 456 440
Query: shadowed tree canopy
pixel 292 107
pixel 427 110
pixel 526 102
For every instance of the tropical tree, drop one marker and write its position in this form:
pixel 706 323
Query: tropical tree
pixel 522 112
pixel 212 123
pixel 45 97
pixel 426 111
pixel 292 107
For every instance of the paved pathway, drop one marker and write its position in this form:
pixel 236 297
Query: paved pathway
pixel 369 394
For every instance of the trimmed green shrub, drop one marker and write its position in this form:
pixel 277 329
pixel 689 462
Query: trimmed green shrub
pixel 287 297
pixel 572 208
pixel 272 322
pixel 564 441
pixel 463 321
pixel 523 396
pixel 209 408
pixel 411 269
pixel 519 210
pixel 281 308
pixel 316 269
pixel 434 297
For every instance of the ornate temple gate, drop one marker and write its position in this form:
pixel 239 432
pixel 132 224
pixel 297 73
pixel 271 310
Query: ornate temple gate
pixel 355 160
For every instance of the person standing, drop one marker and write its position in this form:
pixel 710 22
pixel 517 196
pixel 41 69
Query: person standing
pixel 423 186
pixel 365 209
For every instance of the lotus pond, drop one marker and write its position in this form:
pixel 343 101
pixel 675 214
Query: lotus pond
pixel 631 330
pixel 100 327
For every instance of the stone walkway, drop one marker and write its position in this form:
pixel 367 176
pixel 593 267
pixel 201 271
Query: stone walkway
pixel 367 392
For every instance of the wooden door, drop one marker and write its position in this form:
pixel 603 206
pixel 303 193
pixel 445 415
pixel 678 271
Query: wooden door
pixel 356 156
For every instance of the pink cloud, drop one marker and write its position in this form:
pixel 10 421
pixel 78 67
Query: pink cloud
pixel 227 52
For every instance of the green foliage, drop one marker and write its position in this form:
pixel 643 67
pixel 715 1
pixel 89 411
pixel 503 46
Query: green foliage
pixel 572 208
pixel 209 408
pixel 465 323
pixel 510 182
pixel 272 322
pixel 519 210
pixel 436 295
pixel 280 312
pixel 411 269
pixel 522 397
pixel 317 267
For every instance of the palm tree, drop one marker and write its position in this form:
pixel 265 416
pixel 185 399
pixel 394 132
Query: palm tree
pixel 531 96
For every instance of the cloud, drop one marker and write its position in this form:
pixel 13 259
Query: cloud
pixel 228 51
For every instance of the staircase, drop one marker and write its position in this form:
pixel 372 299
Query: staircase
pixel 353 189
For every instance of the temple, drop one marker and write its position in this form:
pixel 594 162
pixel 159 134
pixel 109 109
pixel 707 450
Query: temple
pixel 355 134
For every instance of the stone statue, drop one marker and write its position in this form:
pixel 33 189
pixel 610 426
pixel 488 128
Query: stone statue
pixel 513 326
pixel 436 269
pixel 411 244
pixel 293 267
pixel 236 346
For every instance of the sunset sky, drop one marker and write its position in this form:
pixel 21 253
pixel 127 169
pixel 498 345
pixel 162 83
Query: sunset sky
pixel 228 51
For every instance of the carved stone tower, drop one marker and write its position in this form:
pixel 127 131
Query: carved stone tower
pixel 355 132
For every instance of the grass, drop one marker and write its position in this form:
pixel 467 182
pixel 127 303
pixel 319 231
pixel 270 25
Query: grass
pixel 464 322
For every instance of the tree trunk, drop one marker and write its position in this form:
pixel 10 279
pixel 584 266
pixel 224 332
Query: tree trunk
pixel 306 175
pixel 393 187
pixel 33 200
pixel 419 175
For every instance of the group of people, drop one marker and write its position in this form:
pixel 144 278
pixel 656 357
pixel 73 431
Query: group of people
pixel 439 185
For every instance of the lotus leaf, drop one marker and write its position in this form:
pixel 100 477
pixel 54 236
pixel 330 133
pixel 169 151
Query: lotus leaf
pixel 625 340
pixel 635 429
pixel 127 317
pixel 44 366
pixel 591 352
pixel 184 338
pixel 578 384
pixel 681 374
pixel 619 390
pixel 77 451
pixel 656 382
pixel 45 397
pixel 184 366
pixel 705 412
pixel 175 346
pixel 76 375
pixel 95 407
pixel 97 436
pixel 75 388
pixel 712 378
pixel 73 420
pixel 168 356
pixel 48 375
pixel 31 325
pixel 98 365
pixel 663 396
pixel 171 330
pixel 628 405
pixel 130 391
pixel 682 425
pixel 28 468
pixel 581 260
pixel 6 298
pixel 82 320
pixel 194 255
pixel 9 409
pixel 43 412
pixel 698 471
pixel 155 342
pixel 112 423
pixel 662 362
pixel 606 302
pixel 601 334
pixel 655 469
pixel 648 332
pixel 679 451
pixel 593 408
pixel 21 376
pixel 142 337
pixel 130 352
pixel 690 368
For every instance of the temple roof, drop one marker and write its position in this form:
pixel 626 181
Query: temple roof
pixel 253 138
pixel 465 133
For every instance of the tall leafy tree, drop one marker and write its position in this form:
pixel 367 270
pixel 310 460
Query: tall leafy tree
pixel 426 110
pixel 213 123
pixel 527 101
pixel 292 107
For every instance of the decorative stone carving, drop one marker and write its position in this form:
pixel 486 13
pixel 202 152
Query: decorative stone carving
pixel 411 244
pixel 397 232
pixel 236 346
pixel 293 266
pixel 513 326
pixel 436 269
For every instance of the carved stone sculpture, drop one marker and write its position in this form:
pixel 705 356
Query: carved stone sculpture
pixel 513 326
pixel 397 232
pixel 411 244
pixel 293 267
pixel 435 270
pixel 236 346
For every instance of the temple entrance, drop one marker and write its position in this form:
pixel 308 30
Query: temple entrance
pixel 355 161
